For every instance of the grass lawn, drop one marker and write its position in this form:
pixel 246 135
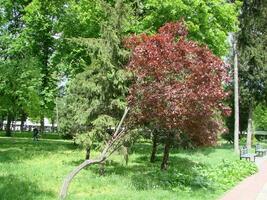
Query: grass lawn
pixel 35 170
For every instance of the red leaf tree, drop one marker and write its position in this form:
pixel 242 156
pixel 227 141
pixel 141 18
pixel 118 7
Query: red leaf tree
pixel 178 86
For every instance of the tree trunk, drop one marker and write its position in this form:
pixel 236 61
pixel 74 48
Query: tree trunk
pixel 236 92
pixel 22 121
pixel 164 164
pixel 53 125
pixel 57 120
pixel 250 127
pixel 68 179
pixel 101 169
pixel 104 155
pixel 126 155
pixel 154 147
pixel 8 125
pixel 87 154
pixel 42 124
pixel 1 123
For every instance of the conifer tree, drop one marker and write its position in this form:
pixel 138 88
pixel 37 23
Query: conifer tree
pixel 252 42
pixel 95 98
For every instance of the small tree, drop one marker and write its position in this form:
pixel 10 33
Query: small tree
pixel 178 85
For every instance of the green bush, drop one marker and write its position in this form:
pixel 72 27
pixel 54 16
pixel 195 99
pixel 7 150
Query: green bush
pixel 228 173
pixel 220 177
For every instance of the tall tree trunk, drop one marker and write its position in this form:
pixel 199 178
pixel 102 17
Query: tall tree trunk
pixel 22 121
pixel 250 127
pixel 53 125
pixel 236 91
pixel 1 123
pixel 154 146
pixel 164 164
pixel 57 120
pixel 42 124
pixel 8 125
pixel 87 153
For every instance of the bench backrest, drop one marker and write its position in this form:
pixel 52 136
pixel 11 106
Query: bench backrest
pixel 243 150
pixel 258 146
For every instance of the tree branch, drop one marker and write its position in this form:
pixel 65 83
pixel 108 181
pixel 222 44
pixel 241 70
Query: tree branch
pixel 104 155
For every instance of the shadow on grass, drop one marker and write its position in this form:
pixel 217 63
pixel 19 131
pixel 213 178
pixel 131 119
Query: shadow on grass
pixel 140 148
pixel 203 150
pixel 182 173
pixel 12 188
pixel 17 149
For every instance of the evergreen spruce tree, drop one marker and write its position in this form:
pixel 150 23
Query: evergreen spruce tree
pixel 252 42
pixel 95 98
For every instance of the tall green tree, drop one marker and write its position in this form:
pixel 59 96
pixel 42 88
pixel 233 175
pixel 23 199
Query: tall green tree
pixel 252 42
pixel 41 20
pixel 18 78
pixel 95 97
pixel 19 89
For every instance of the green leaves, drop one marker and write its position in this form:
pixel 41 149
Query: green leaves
pixel 95 97
pixel 19 86
pixel 260 117
pixel 252 41
pixel 208 21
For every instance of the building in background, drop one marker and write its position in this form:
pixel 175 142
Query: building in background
pixel 30 125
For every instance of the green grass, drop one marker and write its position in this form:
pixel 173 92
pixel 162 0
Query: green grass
pixel 35 170
pixel 27 134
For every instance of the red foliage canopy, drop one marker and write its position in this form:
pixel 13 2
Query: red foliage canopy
pixel 178 83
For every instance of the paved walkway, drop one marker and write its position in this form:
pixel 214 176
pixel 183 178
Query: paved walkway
pixel 253 187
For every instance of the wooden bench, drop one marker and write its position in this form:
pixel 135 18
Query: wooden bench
pixel 246 155
pixel 259 150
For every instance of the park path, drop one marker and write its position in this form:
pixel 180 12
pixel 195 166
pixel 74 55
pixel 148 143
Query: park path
pixel 253 187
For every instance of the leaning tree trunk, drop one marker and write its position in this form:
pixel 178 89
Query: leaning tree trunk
pixel 154 147
pixel 8 125
pixel 250 127
pixel 111 145
pixel 236 92
pixel 164 164
pixel 69 178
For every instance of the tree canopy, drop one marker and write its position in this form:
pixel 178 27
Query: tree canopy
pixel 209 22
pixel 178 85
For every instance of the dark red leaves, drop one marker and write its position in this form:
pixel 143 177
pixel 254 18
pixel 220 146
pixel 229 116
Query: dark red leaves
pixel 179 84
